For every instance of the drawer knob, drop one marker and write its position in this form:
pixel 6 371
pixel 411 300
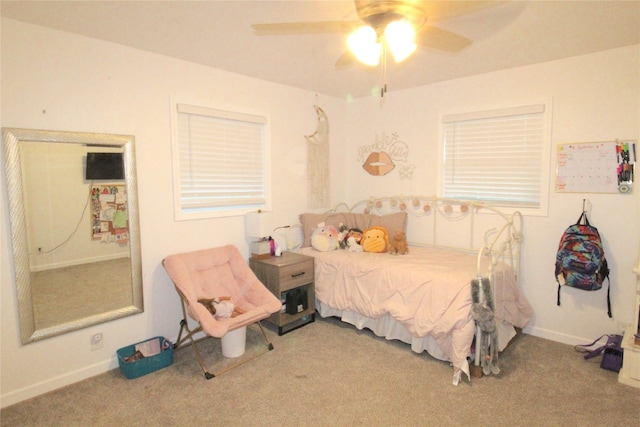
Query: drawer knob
pixel 298 274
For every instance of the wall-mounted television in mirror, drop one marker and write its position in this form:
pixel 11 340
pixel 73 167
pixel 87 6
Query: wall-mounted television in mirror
pixel 104 166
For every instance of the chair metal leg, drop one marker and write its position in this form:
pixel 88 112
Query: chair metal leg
pixel 178 342
pixel 189 336
pixel 207 374
pixel 270 345
pixel 242 361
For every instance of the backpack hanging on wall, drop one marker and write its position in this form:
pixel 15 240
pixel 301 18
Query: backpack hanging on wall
pixel 580 261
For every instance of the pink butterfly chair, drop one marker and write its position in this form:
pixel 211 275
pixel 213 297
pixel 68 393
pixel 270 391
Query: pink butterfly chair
pixel 213 273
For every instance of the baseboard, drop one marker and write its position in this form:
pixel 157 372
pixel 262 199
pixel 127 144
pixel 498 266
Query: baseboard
pixel 55 383
pixel 556 336
pixel 81 261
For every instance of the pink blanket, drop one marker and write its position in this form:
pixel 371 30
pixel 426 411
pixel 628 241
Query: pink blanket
pixel 428 291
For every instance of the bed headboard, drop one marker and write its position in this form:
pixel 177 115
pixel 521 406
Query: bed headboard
pixel 433 221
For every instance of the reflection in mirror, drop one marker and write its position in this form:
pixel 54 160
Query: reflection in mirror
pixel 74 224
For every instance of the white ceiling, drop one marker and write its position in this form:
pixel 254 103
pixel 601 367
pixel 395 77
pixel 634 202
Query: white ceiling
pixel 218 34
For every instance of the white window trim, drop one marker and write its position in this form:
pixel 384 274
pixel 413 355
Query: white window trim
pixel 545 168
pixel 195 107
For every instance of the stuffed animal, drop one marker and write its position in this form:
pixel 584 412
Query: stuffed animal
pixel 220 308
pixel 483 316
pixel 342 236
pixel 375 239
pixel 325 238
pixel 482 313
pixel 356 233
pixel 398 244
pixel 353 245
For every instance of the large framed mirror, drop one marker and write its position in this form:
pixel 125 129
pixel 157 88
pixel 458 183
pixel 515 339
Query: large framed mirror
pixel 73 210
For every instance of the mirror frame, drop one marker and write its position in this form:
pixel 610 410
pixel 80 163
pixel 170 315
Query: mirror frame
pixel 11 140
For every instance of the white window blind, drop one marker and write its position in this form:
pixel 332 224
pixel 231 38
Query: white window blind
pixel 495 155
pixel 221 159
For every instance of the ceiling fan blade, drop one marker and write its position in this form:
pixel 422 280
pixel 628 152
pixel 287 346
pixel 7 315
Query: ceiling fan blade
pixel 441 10
pixel 285 28
pixel 346 59
pixel 441 39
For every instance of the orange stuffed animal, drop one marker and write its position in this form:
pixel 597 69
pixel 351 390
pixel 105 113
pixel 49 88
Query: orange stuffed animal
pixel 375 239
pixel 398 245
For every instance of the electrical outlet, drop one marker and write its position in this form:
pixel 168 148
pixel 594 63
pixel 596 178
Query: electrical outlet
pixel 97 341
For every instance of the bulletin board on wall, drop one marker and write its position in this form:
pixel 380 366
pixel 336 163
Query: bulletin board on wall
pixel 109 220
pixel 596 167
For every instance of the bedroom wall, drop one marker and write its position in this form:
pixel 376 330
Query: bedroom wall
pixel 595 98
pixel 56 80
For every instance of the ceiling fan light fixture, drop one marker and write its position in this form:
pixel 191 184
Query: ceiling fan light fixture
pixel 365 46
pixel 400 37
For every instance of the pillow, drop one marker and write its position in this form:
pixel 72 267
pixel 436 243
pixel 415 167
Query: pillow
pixel 311 221
pixel 375 239
pixel 392 222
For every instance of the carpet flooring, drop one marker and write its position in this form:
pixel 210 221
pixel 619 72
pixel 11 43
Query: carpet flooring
pixel 330 374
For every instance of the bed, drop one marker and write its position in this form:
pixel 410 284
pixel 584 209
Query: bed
pixel 423 298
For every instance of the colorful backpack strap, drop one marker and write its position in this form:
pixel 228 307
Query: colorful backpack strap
pixel 609 313
pixel 609 297
pixel 583 216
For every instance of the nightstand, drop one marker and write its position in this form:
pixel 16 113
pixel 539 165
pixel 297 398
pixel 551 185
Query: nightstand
pixel 290 278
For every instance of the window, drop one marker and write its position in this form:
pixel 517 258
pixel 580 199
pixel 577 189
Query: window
pixel 220 162
pixel 498 156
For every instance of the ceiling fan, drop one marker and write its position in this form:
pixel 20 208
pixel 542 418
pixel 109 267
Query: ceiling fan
pixel 377 19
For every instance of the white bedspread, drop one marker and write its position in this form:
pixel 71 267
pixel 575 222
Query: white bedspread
pixel 428 291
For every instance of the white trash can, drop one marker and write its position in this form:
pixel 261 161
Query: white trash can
pixel 234 342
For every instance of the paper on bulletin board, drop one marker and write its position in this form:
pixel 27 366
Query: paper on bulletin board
pixel 588 167
pixel 109 222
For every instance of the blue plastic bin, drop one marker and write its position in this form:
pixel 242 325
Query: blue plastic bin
pixel 146 365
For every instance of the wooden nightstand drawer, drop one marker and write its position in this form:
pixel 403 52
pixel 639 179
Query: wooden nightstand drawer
pixel 292 276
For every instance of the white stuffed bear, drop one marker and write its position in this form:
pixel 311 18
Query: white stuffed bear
pixel 224 309
pixel 353 245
